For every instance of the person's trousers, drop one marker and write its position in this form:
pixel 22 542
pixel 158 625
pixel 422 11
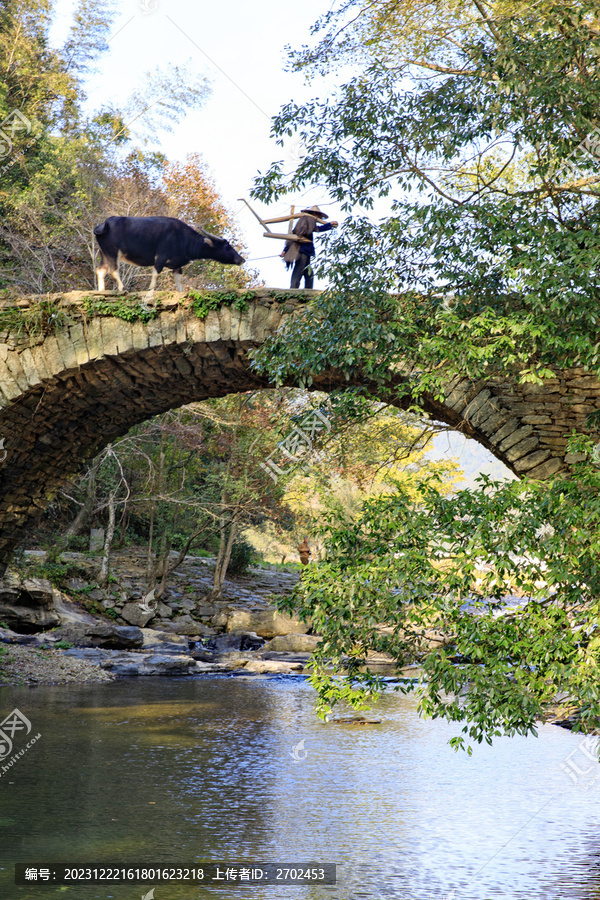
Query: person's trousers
pixel 302 268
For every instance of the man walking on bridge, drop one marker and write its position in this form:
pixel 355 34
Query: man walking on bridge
pixel 299 253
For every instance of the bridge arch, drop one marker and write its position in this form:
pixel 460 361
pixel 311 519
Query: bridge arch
pixel 66 393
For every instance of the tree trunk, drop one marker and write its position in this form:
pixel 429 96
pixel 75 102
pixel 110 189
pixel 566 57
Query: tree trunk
pixel 105 568
pixel 149 560
pixel 155 594
pixel 86 510
pixel 223 557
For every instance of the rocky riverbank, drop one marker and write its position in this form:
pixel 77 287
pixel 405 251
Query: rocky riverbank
pixel 85 633
pixel 27 665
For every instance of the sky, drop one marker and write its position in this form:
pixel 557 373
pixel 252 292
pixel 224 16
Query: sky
pixel 240 46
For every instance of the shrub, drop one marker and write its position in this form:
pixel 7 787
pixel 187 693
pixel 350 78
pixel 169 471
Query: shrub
pixel 242 557
pixel 79 542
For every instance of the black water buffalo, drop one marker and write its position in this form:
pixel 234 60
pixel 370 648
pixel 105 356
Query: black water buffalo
pixel 158 241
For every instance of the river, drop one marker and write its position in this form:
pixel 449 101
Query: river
pixel 179 771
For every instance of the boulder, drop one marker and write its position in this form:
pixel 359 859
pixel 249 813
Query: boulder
pixel 27 604
pixel 251 641
pixel 76 584
pixel 149 664
pixel 164 611
pixel 153 637
pixel 219 620
pixel 163 641
pixel 11 637
pixel 184 603
pixel 103 634
pixel 232 659
pixel 184 625
pixel 267 623
pixel 223 643
pixel 271 667
pixel 206 612
pixel 134 664
pixel 135 615
pixel 293 643
pixel 435 639
pixel 69 612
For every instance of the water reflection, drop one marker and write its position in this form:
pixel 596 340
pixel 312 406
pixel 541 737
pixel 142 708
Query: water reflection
pixel 179 771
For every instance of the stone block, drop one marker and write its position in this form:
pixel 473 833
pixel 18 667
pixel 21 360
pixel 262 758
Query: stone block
pixel 245 332
pixel 522 448
pixel 195 329
pixel 29 368
pixel 547 469
pixel 531 460
pixel 139 336
pixel 536 420
pixel 38 358
pixel 493 423
pixel 67 350
pixel 154 331
pixel 479 401
pixel 571 458
pixel 16 370
pixel 225 315
pixel 584 382
pixel 515 437
pixel 508 428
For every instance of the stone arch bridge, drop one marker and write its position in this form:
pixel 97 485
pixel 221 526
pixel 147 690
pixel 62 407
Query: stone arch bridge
pixel 69 389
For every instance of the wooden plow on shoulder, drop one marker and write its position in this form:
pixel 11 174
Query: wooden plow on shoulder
pixel 289 235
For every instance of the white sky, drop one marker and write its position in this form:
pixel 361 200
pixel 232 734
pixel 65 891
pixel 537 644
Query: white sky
pixel 240 46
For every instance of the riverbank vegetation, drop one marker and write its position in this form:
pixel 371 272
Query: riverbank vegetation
pixel 198 479
pixel 63 168
pixel 463 143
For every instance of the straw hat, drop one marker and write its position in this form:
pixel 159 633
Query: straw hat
pixel 315 211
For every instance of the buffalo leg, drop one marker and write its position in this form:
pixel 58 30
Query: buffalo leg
pixel 110 267
pixel 153 280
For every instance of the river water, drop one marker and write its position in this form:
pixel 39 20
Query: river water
pixel 179 771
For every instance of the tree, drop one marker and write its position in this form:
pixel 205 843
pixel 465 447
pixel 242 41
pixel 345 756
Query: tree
pixel 237 490
pixel 360 456
pixel 191 477
pixel 427 580
pixel 471 129
pixel 193 197
pixel 58 167
pixel 460 127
